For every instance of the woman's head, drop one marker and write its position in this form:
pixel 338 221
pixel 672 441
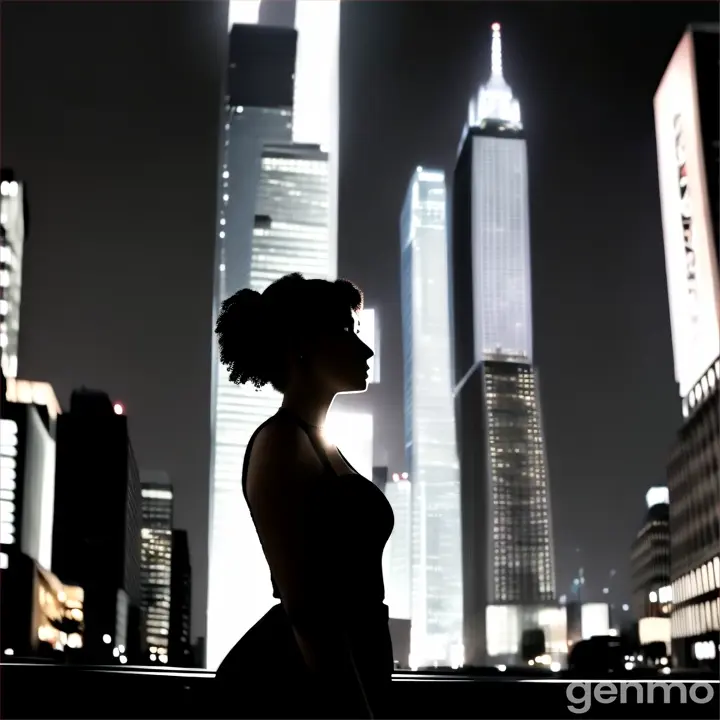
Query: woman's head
pixel 298 330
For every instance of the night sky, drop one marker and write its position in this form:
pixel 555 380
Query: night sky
pixel 110 114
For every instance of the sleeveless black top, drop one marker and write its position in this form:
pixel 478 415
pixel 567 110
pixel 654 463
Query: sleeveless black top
pixel 353 521
pixel 349 521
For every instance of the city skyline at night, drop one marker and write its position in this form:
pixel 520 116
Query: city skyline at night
pixel 117 281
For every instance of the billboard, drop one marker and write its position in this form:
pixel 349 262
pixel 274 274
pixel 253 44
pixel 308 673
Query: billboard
pixel 690 256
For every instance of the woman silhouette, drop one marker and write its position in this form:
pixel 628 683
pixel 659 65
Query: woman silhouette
pixel 325 649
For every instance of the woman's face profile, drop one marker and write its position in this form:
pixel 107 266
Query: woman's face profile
pixel 339 359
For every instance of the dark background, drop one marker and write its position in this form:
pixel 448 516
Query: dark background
pixel 110 113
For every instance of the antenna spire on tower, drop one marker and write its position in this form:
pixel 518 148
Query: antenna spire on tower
pixel 496 51
pixel 494 100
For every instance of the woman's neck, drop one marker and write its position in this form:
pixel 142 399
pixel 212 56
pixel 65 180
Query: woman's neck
pixel 310 406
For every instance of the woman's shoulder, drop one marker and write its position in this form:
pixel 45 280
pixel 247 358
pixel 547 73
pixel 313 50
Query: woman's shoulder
pixel 281 454
pixel 279 431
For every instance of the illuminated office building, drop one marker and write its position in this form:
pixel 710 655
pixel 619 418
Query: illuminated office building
pixel 291 221
pixel 397 559
pixel 650 558
pixel 316 97
pixel 156 559
pixel 430 442
pixel 258 112
pixel 686 130
pixel 38 614
pixel 507 528
pixel 13 228
pixel 650 570
pixel 274 219
pixel 28 415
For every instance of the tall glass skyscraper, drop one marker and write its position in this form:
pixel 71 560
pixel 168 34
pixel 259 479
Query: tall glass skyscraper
pixel 258 113
pixel 507 538
pixel 316 103
pixel 156 560
pixel 276 216
pixel 430 442
pixel 397 559
pixel 13 219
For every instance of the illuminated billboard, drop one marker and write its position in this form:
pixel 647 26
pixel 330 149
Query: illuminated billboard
pixel 690 256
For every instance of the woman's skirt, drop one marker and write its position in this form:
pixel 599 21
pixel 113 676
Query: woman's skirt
pixel 265 676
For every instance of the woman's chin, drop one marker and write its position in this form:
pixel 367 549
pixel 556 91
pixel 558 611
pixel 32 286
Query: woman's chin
pixel 358 387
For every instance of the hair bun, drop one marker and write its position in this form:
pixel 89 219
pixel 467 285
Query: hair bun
pixel 240 327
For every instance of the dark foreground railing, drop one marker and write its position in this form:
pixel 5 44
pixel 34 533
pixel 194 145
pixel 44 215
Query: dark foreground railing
pixel 46 691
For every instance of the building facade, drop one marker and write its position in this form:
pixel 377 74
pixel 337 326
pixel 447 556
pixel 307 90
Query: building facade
pixel 430 442
pixel 39 616
pixel 650 558
pixel 397 559
pixel 27 480
pixel 97 522
pixel 686 129
pixel 156 560
pixel 650 570
pixel 180 649
pixel 506 515
pixel 258 112
pixel 275 217
pixel 316 78
pixel 13 230
pixel 694 485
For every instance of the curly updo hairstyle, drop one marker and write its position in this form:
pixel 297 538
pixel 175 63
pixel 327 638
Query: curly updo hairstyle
pixel 259 333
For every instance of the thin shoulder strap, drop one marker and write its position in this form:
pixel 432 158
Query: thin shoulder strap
pixel 345 460
pixel 246 459
pixel 313 438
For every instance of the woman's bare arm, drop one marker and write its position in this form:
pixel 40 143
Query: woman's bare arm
pixel 281 486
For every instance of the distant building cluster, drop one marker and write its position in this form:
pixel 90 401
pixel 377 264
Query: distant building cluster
pixel 91 568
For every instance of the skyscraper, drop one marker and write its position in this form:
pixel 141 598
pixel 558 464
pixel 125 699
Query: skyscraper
pixel 13 227
pixel 156 560
pixel 258 112
pixel 27 479
pixel 397 559
pixel 650 570
pixel 179 647
pixel 316 98
pixel 96 531
pixel 507 530
pixel 275 217
pixel 686 130
pixel 430 443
